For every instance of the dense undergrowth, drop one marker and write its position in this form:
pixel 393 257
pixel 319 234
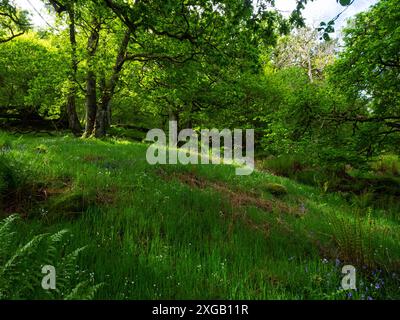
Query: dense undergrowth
pixel 185 232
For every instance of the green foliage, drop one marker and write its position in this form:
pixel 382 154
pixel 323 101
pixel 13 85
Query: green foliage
pixel 32 74
pixel 5 144
pixel 21 264
pixel 356 238
pixel 9 179
pixel 4 177
pixel 41 149
pixel 13 21
pixel 285 166
pixel 367 71
pixel 135 244
pixel 387 165
pixel 276 189
pixel 319 119
pixel 132 134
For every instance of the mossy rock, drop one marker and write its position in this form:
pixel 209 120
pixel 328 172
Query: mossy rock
pixel 41 149
pixel 276 189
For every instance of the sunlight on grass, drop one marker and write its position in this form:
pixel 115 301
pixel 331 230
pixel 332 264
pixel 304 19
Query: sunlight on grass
pixel 149 238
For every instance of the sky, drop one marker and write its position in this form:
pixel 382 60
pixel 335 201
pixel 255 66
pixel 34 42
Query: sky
pixel 325 10
pixel 315 12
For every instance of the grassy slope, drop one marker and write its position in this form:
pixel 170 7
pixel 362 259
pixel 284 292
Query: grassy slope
pixel 151 235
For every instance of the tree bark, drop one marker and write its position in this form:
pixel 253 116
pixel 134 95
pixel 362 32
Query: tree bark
pixel 71 116
pixel 73 120
pixel 309 67
pixel 91 82
pixel 103 117
pixel 91 103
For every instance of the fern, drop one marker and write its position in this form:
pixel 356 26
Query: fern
pixel 6 237
pixel 358 241
pixel 21 264
pixel 83 291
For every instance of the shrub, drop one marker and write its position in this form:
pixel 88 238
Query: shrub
pixel 363 243
pixel 286 165
pixel 389 165
pixel 132 134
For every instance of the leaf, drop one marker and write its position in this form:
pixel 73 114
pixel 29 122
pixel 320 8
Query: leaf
pixel 344 3
pixel 326 36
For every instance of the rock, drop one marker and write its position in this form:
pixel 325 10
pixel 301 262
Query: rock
pixel 276 189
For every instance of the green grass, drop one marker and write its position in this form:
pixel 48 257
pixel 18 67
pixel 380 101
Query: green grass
pixel 153 235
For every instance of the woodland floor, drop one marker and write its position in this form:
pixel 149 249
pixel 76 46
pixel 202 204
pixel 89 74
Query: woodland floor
pixel 198 232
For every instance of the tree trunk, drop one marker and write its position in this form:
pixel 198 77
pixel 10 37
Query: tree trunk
pixel 91 90
pixel 174 116
pixel 310 69
pixel 73 120
pixel 70 110
pixel 91 103
pixel 101 124
pixel 103 117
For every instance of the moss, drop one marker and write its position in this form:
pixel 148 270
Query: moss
pixel 41 149
pixel 276 189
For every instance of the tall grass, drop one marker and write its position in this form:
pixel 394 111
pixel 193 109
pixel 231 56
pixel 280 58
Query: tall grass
pixel 151 236
pixel 388 164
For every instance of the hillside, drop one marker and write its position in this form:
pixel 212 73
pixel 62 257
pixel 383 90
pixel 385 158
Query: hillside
pixel 190 232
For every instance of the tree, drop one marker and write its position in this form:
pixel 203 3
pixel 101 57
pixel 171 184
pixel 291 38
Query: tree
pixel 95 21
pixel 303 49
pixel 73 120
pixel 13 22
pixel 368 72
pixel 32 76
pixel 195 44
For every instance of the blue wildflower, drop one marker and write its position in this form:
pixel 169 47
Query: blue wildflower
pixel 349 295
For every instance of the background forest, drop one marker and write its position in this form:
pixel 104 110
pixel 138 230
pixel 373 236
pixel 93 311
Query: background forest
pixel 78 96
